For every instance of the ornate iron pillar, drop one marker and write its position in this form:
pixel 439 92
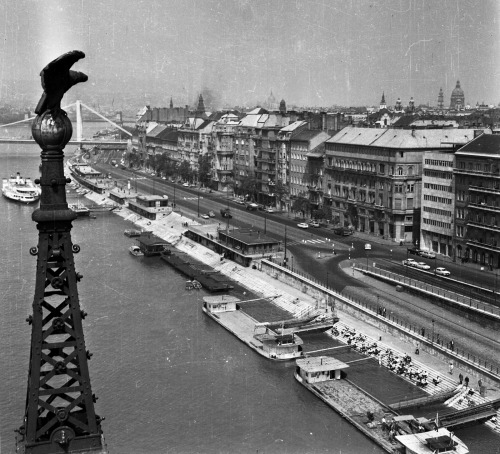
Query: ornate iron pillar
pixel 59 416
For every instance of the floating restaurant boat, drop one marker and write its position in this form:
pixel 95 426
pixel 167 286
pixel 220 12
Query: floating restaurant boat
pixel 278 347
pixel 152 245
pixel 20 189
pixel 135 251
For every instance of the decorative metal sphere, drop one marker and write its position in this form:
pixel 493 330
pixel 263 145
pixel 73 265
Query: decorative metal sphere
pixel 52 131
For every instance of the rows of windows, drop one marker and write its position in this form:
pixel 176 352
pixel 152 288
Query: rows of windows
pixel 437 211
pixel 477 166
pixel 439 163
pixel 438 174
pixel 435 223
pixel 438 187
pixel 434 198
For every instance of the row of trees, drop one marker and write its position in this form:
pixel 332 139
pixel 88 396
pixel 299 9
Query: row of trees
pixel 163 165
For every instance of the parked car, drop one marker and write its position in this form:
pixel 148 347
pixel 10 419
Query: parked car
pixel 368 247
pixel 239 201
pixel 269 210
pixel 427 254
pixel 314 223
pixel 185 185
pixel 422 266
pixel 414 250
pixel 442 271
pixel 409 262
pixel 252 206
pixel 211 214
pixel 303 225
pixel 205 216
pixel 344 231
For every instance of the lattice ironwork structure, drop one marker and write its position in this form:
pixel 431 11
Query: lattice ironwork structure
pixel 60 415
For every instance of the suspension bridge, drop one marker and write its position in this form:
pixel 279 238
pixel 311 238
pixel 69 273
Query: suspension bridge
pixel 79 140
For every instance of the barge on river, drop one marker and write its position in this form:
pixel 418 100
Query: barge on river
pixel 225 311
pixel 325 377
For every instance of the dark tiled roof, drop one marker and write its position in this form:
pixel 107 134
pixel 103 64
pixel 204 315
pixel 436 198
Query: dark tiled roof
pixel 485 144
pixel 306 134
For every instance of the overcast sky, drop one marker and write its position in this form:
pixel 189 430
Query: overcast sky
pixel 309 52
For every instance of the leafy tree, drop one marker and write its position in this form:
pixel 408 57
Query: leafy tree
pixel 352 214
pixel 185 171
pixel 204 169
pixel 248 186
pixel 280 191
pixel 302 204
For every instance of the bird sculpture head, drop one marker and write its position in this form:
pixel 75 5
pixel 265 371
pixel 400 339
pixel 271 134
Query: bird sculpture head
pixel 57 79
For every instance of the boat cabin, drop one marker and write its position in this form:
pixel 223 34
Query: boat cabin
pixel 152 245
pixel 440 441
pixel 319 368
pixel 150 206
pixel 220 303
pixel 281 346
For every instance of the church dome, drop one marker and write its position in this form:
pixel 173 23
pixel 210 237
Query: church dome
pixel 457 91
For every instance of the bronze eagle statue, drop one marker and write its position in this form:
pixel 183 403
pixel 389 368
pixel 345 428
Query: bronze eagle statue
pixel 57 79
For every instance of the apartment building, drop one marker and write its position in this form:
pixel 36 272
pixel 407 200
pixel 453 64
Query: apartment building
pixel 477 211
pixel 373 178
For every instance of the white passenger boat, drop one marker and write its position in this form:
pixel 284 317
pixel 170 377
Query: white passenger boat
pixel 21 189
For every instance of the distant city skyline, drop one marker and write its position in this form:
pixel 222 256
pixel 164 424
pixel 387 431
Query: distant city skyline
pixel 310 53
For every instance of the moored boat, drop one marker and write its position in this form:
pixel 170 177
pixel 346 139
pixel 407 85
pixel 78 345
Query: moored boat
pixel 135 251
pixel 132 232
pixel 20 189
pixel 79 209
pixel 279 347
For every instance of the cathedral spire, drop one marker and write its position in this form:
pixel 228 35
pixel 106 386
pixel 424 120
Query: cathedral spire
pixel 383 105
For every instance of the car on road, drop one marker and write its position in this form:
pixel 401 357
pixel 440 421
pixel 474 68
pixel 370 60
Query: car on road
pixel 269 210
pixel 303 225
pixel 422 266
pixel 409 262
pixel 252 206
pixel 442 271
pixel 185 185
pixel 211 214
pixel 344 231
pixel 368 247
pixel 226 213
pixel 427 254
pixel 414 251
pixel 314 224
pixel 239 201
pixel 205 216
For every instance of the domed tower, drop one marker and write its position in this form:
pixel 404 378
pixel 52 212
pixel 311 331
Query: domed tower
pixel 399 106
pixel 441 99
pixel 411 105
pixel 383 105
pixel 283 107
pixel 457 101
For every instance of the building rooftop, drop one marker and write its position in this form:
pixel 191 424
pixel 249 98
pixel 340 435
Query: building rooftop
pixel 220 299
pixel 320 364
pixel 484 145
pixel 402 138
pixel 249 236
pixel 152 198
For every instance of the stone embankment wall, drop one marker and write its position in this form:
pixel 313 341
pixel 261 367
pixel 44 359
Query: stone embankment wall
pixel 334 300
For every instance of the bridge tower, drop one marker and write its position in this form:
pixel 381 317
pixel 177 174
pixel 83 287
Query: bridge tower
pixel 79 123
pixel 59 414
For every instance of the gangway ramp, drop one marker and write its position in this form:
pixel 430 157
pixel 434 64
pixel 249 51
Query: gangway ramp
pixel 471 415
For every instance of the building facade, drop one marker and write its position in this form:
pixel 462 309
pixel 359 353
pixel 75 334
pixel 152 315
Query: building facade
pixel 477 213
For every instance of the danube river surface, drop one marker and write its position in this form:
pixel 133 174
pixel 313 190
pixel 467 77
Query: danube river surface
pixel 169 380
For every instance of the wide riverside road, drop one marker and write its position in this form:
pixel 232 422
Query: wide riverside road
pixel 311 251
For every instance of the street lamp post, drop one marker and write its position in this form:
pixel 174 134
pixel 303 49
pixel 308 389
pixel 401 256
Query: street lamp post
pixel 433 330
pixel 285 259
pixel 198 201
pixel 391 255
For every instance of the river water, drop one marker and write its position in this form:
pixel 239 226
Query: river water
pixel 168 379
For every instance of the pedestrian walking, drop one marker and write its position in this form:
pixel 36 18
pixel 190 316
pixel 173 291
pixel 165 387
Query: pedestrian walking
pixel 460 378
pixel 479 383
pixel 452 345
pixel 423 331
pixel 466 381
pixel 451 368
pixel 384 311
